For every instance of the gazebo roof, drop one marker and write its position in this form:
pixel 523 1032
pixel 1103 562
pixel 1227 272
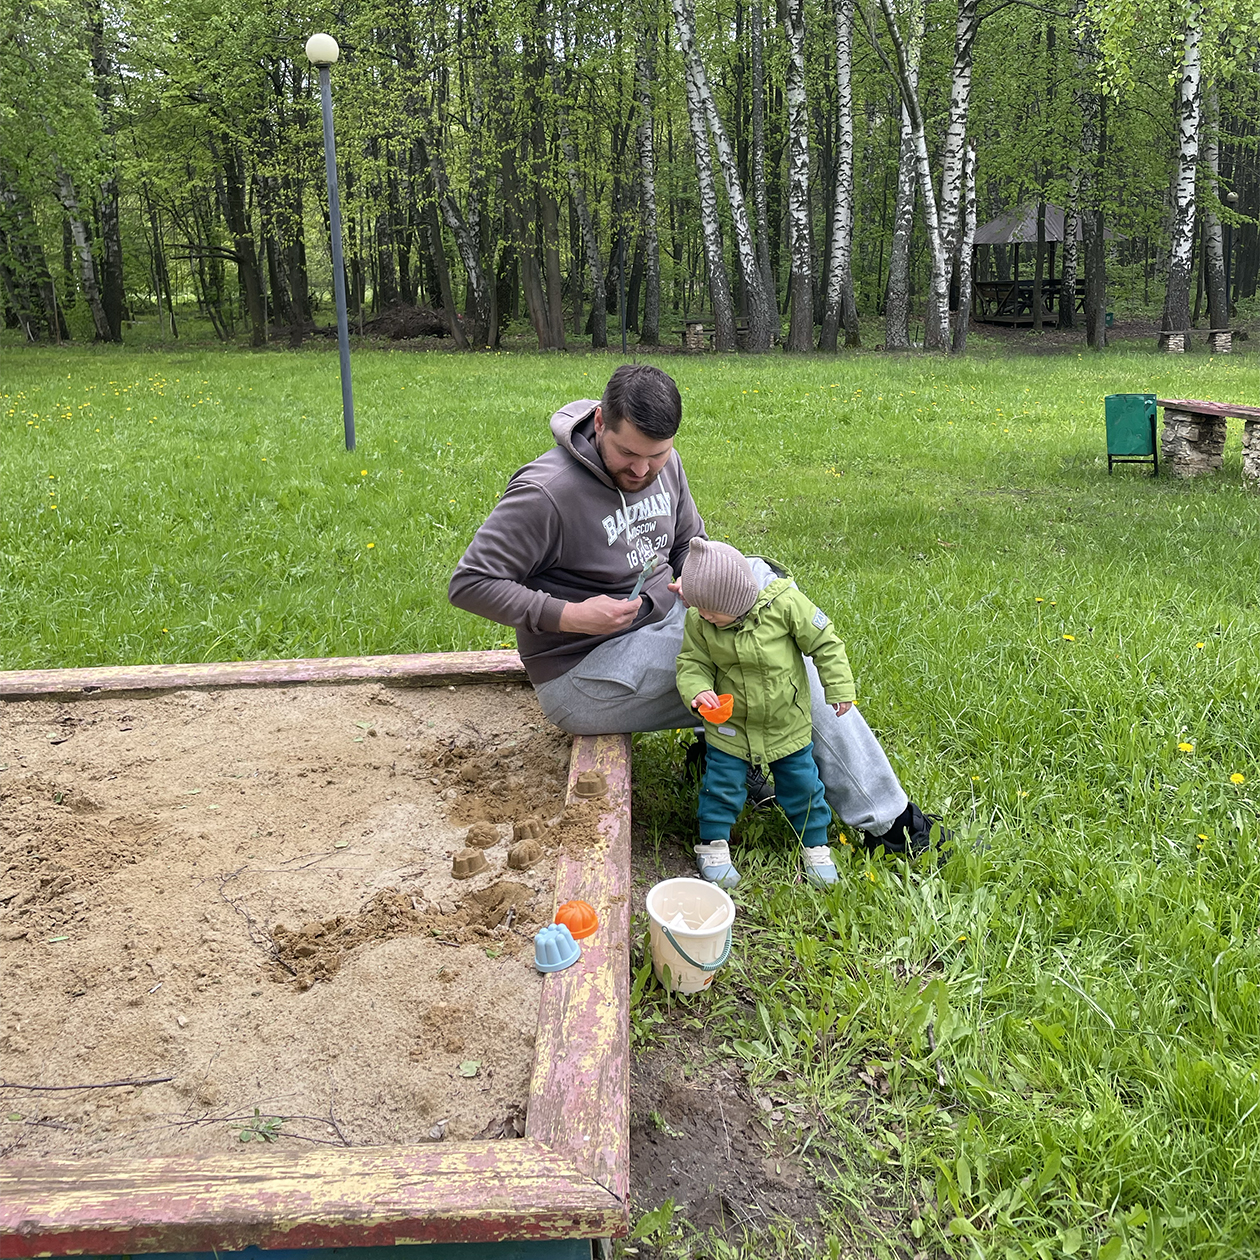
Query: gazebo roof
pixel 1019 227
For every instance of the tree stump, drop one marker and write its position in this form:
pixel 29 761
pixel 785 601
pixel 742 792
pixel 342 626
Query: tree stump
pixel 1193 444
pixel 1251 454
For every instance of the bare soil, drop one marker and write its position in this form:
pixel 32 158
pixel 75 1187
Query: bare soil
pixel 250 894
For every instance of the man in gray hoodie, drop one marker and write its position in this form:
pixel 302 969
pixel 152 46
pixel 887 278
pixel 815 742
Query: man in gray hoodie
pixel 580 556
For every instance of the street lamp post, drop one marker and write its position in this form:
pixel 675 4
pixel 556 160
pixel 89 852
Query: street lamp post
pixel 322 52
pixel 1231 199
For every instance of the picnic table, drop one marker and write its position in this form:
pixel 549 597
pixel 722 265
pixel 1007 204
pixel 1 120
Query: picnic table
pixel 1194 436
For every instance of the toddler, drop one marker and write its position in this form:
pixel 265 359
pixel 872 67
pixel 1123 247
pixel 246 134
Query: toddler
pixel 751 644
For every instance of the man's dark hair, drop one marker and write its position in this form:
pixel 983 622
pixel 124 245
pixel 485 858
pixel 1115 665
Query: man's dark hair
pixel 645 396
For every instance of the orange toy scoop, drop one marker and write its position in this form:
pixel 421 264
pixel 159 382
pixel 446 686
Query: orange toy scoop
pixel 720 713
pixel 579 917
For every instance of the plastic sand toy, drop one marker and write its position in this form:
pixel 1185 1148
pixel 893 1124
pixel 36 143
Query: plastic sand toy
pixel 579 917
pixel 555 949
pixel 719 713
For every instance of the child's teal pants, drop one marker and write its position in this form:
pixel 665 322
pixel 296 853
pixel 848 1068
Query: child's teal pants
pixel 798 790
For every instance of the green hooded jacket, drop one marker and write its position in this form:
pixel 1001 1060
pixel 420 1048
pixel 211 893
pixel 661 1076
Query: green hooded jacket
pixel 758 660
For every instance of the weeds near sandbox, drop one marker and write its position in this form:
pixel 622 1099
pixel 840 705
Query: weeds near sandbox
pixel 260 1129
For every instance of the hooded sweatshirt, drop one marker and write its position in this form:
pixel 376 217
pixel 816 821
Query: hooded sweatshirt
pixel 562 532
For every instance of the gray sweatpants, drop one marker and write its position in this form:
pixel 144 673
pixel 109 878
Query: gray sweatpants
pixel 628 684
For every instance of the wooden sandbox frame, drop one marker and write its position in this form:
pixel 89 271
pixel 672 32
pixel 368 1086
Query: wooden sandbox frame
pixel 567 1178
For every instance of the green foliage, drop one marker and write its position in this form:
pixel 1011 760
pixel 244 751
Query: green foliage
pixel 260 1129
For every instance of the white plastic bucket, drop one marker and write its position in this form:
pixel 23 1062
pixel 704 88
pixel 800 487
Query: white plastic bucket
pixel 690 932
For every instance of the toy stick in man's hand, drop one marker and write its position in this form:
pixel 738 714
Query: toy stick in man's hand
pixel 649 567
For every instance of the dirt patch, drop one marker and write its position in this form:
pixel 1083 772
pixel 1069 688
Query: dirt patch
pixel 250 894
pixel 703 1141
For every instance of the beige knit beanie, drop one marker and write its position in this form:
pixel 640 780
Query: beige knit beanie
pixel 717 578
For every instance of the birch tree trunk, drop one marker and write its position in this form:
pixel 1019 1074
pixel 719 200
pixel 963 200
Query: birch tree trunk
pixel 650 335
pixel 801 328
pixel 840 274
pixel 936 317
pixel 760 310
pixel 599 309
pixel 1213 236
pixel 1181 257
pixel 952 155
pixel 897 302
pixel 1071 224
pixel 965 248
pixel 83 249
pixel 719 284
pixel 759 155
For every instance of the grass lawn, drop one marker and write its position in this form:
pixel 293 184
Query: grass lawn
pixel 1052 1047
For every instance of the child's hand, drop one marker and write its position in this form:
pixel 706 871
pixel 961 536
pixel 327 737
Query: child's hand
pixel 705 700
pixel 843 707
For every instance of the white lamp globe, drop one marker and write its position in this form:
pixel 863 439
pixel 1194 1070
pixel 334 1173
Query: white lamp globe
pixel 322 50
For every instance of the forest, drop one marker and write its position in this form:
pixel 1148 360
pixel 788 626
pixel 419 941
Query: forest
pixel 808 175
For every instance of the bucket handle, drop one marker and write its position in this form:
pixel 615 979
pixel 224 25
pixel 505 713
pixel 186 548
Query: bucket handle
pixel 687 958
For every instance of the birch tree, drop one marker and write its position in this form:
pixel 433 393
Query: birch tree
pixel 801 329
pixel 759 152
pixel 719 284
pixel 897 301
pixel 760 311
pixel 965 248
pixel 936 317
pixel 1189 103
pixel 952 154
pixel 650 334
pixel 840 304
pixel 1213 237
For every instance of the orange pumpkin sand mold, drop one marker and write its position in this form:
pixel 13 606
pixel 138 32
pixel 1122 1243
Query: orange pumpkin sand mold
pixel 720 712
pixel 579 917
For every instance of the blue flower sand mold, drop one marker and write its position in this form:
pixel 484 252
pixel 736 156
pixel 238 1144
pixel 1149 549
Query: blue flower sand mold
pixel 555 949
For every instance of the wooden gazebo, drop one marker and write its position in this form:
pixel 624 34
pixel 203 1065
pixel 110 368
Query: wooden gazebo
pixel 1011 301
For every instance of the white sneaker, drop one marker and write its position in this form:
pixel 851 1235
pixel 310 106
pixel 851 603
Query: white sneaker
pixel 713 861
pixel 820 869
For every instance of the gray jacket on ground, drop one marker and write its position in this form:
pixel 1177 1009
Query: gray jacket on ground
pixel 563 532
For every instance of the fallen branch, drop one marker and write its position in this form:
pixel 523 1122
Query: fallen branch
pixel 148 1080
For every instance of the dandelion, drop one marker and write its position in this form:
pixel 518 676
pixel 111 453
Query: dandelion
pixel 1237 778
pixel 1201 836
pixel 1039 599
pixel 963 937
pixel 975 778
pixel 870 875
pixel 370 546
pixel 363 472
pixel 1071 638
pixel 1185 747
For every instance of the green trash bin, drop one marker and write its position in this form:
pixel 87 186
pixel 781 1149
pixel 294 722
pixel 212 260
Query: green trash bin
pixel 1131 430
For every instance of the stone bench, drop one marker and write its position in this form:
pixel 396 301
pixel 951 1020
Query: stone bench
pixel 1219 340
pixel 1194 437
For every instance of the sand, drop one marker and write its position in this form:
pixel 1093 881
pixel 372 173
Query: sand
pixel 250 892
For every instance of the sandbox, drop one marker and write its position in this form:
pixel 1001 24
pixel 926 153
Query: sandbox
pixel 251 904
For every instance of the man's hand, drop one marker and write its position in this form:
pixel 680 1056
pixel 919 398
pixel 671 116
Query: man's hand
pixel 601 614
pixel 706 700
pixel 843 707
